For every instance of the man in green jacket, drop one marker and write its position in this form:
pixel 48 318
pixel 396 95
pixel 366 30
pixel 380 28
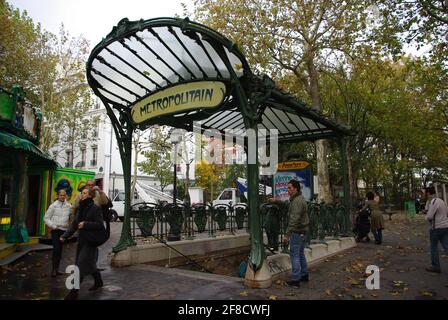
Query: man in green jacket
pixel 296 231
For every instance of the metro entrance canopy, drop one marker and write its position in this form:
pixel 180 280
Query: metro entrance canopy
pixel 175 72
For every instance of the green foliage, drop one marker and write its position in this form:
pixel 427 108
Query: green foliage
pixel 158 158
pixel 51 70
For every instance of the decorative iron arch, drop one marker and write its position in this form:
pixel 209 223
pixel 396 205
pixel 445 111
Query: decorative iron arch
pixel 167 71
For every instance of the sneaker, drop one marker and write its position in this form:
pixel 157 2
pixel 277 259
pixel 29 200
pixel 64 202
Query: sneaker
pixel 293 283
pixel 432 269
pixel 305 278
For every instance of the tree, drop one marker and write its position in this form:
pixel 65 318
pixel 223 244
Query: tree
pixel 51 71
pixel 291 41
pixel 158 160
pixel 416 22
pixel 65 105
pixel 208 176
pixel 393 106
pixel 27 57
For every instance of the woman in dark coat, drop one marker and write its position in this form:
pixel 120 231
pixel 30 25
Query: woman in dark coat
pixel 88 219
pixel 377 220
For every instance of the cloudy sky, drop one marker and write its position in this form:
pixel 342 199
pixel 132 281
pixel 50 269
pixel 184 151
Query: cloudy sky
pixel 94 19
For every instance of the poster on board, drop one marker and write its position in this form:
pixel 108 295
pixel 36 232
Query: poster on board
pixel 297 170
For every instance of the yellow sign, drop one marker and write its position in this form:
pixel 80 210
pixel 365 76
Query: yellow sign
pixel 183 97
pixel 293 165
pixel 5 220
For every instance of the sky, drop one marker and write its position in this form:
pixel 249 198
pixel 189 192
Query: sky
pixel 94 19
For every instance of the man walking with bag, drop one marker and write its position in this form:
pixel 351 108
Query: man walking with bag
pixel 437 216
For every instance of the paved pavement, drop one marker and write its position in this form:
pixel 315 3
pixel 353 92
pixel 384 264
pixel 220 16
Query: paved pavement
pixel 401 259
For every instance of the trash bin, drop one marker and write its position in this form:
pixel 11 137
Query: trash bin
pixel 409 207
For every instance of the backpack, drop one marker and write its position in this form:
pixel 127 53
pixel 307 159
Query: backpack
pixel 107 214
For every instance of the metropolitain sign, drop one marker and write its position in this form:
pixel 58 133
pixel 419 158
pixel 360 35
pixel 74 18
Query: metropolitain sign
pixel 183 97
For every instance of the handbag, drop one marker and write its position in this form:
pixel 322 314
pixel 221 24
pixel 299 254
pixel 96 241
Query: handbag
pixel 95 237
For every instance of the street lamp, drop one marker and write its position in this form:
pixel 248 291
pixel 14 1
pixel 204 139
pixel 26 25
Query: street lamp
pixel 176 137
pixel 113 184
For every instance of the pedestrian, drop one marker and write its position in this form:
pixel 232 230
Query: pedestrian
pixel 89 219
pixel 377 197
pixel 437 216
pixel 376 218
pixel 57 219
pixel 296 232
pixel 100 198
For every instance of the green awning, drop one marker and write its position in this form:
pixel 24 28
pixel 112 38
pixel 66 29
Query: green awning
pixel 37 156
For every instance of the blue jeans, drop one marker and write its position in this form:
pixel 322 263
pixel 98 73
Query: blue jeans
pixel 378 234
pixel 297 253
pixel 436 235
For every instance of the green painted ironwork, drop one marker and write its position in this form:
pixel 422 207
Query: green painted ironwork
pixel 200 217
pixel 246 93
pixel 240 216
pixel 175 218
pixel 220 216
pixel 146 220
pixel 272 225
pixel 313 212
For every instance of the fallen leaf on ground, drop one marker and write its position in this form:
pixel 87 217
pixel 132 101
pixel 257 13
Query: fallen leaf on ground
pixel 398 284
pixel 328 292
pixel 354 282
pixel 244 294
pixel 426 293
pixel 374 295
pixel 273 297
pixel 357 296
pixel 289 294
pixel 394 293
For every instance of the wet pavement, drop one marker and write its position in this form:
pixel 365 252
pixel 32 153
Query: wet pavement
pixel 401 258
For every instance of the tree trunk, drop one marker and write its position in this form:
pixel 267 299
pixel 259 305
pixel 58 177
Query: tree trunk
pixel 351 178
pixel 323 175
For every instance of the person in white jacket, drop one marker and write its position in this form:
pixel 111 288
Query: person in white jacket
pixel 57 219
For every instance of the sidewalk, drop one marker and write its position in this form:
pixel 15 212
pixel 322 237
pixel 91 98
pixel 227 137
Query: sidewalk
pixel 401 259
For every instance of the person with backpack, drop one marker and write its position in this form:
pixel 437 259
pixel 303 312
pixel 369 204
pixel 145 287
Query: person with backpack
pixel 437 216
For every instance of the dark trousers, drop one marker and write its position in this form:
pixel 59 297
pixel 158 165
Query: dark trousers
pixel 57 244
pixel 378 234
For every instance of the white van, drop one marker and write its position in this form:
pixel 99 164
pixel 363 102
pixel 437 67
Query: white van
pixel 118 203
pixel 230 196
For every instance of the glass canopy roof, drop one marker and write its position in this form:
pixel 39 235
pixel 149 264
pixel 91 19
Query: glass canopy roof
pixel 138 59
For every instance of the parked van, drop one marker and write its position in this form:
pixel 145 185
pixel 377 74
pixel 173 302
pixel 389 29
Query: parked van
pixel 118 203
pixel 230 196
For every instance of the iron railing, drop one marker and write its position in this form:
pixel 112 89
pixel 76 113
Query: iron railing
pixel 172 222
